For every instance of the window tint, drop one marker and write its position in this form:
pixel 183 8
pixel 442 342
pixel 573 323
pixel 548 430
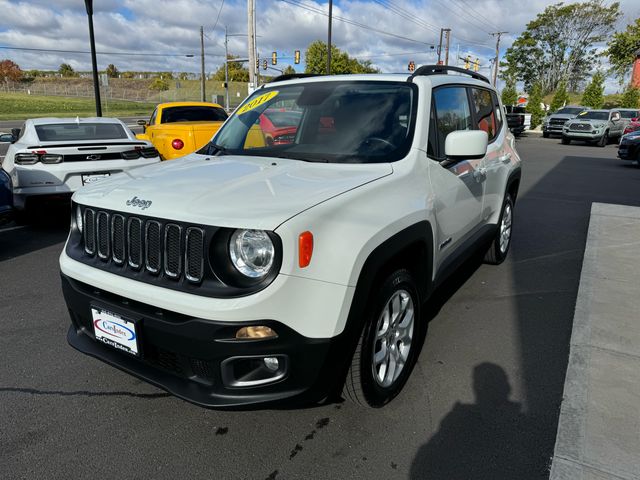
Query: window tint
pixel 59 132
pixel 484 113
pixel 629 113
pixel 193 114
pixel 451 114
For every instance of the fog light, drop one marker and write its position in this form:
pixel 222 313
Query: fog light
pixel 258 331
pixel 271 363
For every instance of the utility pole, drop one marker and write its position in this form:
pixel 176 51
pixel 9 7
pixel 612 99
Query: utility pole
pixel 440 46
pixel 329 38
pixel 251 44
pixel 496 63
pixel 203 93
pixel 447 34
pixel 226 69
pixel 94 63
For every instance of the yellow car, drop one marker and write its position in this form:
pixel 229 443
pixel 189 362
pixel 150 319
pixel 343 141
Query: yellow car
pixel 179 128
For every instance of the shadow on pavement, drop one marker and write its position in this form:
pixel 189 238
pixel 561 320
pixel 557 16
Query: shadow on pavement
pixel 40 229
pixel 490 439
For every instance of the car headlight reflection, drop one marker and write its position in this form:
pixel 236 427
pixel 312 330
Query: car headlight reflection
pixel 252 253
pixel 79 218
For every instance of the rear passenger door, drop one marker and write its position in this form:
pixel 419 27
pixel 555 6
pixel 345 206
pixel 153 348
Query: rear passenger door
pixel 494 168
pixel 458 188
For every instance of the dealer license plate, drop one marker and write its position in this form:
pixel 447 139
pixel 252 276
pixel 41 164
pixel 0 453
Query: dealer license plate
pixel 115 331
pixel 94 177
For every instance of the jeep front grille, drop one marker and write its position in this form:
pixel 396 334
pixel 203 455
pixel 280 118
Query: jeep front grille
pixel 161 248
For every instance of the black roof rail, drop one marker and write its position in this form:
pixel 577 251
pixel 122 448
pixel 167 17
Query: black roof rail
pixel 291 76
pixel 425 70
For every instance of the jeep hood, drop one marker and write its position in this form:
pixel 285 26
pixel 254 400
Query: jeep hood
pixel 228 191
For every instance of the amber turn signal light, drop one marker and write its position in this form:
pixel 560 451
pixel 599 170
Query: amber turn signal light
pixel 305 249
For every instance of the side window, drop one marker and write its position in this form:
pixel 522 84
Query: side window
pixel 484 113
pixel 152 120
pixel 452 113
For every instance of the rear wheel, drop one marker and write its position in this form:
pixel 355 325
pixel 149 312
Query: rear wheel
pixel 388 346
pixel 545 134
pixel 565 140
pixel 500 245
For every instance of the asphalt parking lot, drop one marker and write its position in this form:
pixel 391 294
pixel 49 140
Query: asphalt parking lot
pixel 482 403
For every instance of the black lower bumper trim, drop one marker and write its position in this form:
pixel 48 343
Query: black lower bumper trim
pixel 184 355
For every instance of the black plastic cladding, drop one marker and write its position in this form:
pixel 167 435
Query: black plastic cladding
pixel 220 278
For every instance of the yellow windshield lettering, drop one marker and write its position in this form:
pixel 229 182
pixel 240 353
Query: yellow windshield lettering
pixel 256 102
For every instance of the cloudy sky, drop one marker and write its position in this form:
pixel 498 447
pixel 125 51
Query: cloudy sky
pixel 162 32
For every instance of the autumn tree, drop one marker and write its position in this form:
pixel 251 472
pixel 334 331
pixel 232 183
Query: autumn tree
pixel 593 95
pixel 559 44
pixel 67 70
pixel 341 62
pixel 622 49
pixel 10 71
pixel 112 71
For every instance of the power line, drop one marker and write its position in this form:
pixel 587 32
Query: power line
pixel 132 54
pixel 486 20
pixel 352 22
pixel 218 17
pixel 406 15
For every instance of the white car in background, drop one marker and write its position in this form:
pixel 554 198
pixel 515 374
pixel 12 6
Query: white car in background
pixel 53 157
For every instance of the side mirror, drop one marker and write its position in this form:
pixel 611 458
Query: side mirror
pixel 6 138
pixel 615 117
pixel 142 123
pixel 465 145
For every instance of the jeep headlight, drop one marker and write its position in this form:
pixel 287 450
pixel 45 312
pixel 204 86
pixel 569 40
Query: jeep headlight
pixel 79 218
pixel 252 252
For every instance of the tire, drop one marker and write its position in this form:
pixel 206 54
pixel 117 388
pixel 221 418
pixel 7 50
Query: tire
pixel 565 140
pixel 370 381
pixel 604 140
pixel 545 134
pixel 502 241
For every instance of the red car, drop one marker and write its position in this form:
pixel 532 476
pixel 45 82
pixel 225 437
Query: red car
pixel 633 126
pixel 279 126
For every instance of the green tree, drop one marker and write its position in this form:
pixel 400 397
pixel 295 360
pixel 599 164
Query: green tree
pixel 128 75
pixel 593 95
pixel 631 98
pixel 509 93
pixel 159 84
pixel 10 71
pixel 237 72
pixel 560 97
pixel 183 76
pixel 534 106
pixel 112 71
pixel 67 70
pixel 622 49
pixel 289 70
pixel 559 44
pixel 341 62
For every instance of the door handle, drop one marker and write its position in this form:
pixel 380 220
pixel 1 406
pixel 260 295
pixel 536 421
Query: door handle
pixel 506 158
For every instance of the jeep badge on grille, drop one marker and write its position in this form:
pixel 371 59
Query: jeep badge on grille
pixel 136 202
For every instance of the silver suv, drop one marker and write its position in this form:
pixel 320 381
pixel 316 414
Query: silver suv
pixel 594 126
pixel 553 123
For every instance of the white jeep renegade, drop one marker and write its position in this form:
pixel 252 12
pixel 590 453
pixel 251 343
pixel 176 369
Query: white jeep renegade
pixel 254 271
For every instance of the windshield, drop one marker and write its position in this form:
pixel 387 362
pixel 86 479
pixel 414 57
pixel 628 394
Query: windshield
pixel 571 110
pixel 193 114
pixel 629 113
pixel 66 132
pixel 591 115
pixel 343 121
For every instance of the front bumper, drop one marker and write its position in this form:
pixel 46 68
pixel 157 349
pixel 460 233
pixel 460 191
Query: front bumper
pixel 189 357
pixel 586 136
pixel 628 152
pixel 550 128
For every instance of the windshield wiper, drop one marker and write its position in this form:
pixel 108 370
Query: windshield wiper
pixel 215 149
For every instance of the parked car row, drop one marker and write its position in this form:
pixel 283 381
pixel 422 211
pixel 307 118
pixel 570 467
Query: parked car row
pixel 578 123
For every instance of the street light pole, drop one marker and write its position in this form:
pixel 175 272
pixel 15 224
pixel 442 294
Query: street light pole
pixel 329 38
pixel 203 93
pixel 226 69
pixel 96 86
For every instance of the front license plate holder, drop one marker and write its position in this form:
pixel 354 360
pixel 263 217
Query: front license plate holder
pixel 116 331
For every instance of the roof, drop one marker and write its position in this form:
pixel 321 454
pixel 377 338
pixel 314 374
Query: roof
pixel 188 104
pixel 50 120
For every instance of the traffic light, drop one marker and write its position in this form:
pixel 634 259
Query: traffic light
pixel 476 65
pixel 264 64
pixel 274 58
pixel 467 62
pixel 412 65
pixel 296 57
pixel 257 63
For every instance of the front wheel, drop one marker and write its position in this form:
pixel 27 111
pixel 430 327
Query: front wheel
pixel 565 140
pixel 500 245
pixel 389 344
pixel 604 139
pixel 545 134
